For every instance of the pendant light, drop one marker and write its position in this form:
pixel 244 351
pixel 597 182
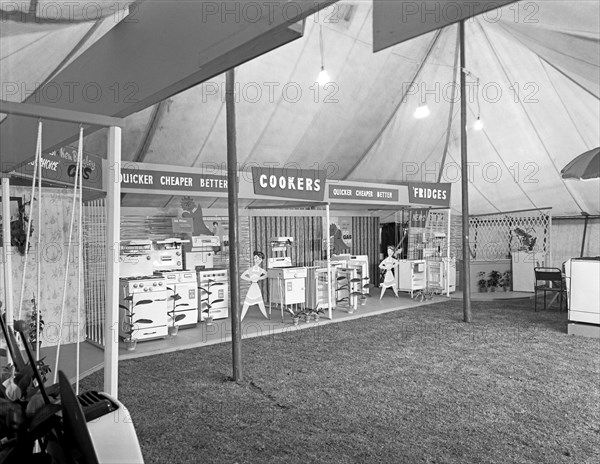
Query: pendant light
pixel 422 112
pixel 323 77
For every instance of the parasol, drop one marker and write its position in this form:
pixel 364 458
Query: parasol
pixel 585 166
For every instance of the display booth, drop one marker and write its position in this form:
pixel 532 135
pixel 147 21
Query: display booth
pixel 320 240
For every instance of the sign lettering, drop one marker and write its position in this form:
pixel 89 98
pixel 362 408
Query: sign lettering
pixel 423 193
pixel 303 184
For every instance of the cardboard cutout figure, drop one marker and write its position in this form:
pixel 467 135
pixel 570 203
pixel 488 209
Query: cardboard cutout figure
pixel 254 274
pixel 193 210
pixel 387 265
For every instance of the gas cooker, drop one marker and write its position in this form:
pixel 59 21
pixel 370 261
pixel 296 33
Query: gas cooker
pixel 178 276
pixel 151 283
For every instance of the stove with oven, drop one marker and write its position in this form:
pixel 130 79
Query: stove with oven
pixel 202 252
pixel 135 259
pixel 143 303
pixel 182 297
pixel 167 255
pixel 213 289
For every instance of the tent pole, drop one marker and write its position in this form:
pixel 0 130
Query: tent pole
pixel 464 180
pixel 113 238
pixel 6 255
pixel 232 201
pixel 585 224
pixel 328 255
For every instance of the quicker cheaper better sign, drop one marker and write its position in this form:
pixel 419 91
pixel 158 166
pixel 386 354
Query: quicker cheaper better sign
pixel 423 193
pixel 302 184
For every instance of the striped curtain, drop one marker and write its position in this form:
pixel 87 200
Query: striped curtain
pixel 306 231
pixel 365 241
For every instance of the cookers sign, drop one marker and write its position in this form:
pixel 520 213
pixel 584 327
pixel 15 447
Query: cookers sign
pixel 423 193
pixel 303 184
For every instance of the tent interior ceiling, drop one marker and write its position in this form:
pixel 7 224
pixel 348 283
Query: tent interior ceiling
pixel 533 78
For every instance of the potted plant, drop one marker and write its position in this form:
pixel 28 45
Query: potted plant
pixel 174 329
pixel 506 280
pixel 494 280
pixel 206 301
pixel 307 314
pixel 36 342
pixel 128 323
pixel 482 283
pixel 295 315
pixel 317 313
pixel 364 284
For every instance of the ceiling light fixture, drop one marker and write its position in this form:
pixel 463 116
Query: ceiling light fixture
pixel 422 112
pixel 323 77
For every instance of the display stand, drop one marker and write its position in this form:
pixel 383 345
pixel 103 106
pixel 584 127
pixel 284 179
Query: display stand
pixel 523 263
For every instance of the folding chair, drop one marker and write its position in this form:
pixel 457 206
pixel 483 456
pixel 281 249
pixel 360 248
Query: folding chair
pixel 549 279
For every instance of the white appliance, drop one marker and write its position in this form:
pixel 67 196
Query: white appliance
pixel 213 291
pixel 316 288
pixel 449 276
pixel 523 263
pixel 287 286
pixel 363 260
pixel 182 299
pixel 583 287
pixel 202 252
pixel 411 275
pixel 280 252
pixel 143 307
pixel 134 258
pixel 167 254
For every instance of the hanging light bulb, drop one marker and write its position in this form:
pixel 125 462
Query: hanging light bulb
pixel 323 77
pixel 422 112
pixel 478 125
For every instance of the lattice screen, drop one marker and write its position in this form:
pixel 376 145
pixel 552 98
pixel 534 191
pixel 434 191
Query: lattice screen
pixel 94 258
pixel 497 236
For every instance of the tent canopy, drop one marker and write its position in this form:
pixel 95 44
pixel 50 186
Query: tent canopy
pixel 533 79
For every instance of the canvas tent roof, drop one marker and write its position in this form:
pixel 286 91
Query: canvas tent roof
pixel 533 78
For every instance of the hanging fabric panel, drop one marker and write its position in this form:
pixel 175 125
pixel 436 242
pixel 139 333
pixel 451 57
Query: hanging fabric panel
pixel 365 241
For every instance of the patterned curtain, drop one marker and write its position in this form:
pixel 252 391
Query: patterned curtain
pixel 306 231
pixel 365 241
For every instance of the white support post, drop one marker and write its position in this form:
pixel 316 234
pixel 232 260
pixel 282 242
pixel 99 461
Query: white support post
pixel 448 253
pixel 113 212
pixel 329 282
pixel 7 253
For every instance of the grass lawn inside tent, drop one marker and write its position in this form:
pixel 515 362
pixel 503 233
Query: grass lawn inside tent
pixel 416 385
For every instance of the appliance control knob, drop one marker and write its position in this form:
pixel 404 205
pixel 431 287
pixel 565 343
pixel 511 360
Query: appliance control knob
pixel 179 263
pixel 141 284
pixel 154 284
pixel 160 284
pixel 145 289
pixel 148 257
pixel 178 253
pixel 135 285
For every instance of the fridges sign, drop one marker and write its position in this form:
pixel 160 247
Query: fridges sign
pixel 422 193
pixel 301 184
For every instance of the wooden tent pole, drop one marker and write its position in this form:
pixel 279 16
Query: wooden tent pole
pixel 232 194
pixel 464 181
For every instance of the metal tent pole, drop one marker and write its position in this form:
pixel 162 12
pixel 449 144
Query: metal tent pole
pixel 464 180
pixel 232 193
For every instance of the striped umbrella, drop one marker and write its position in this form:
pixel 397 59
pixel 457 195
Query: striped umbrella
pixel 585 166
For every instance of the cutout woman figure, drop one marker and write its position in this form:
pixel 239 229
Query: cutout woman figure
pixel 387 265
pixel 254 274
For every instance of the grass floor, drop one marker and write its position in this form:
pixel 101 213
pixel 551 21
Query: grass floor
pixel 412 386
